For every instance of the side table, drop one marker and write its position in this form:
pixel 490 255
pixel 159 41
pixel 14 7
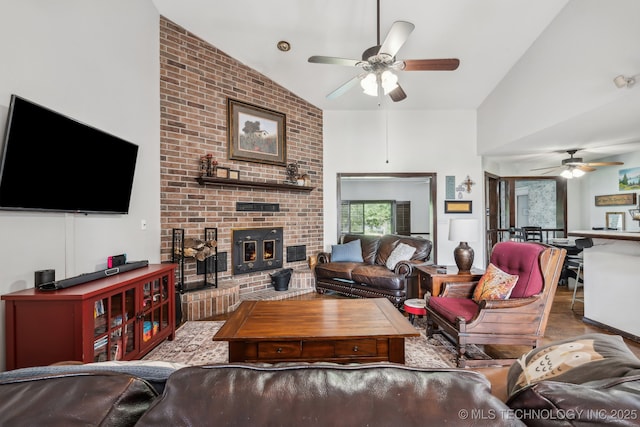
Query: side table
pixel 432 277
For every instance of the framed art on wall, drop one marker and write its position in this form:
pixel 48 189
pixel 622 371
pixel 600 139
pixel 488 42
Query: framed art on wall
pixel 629 179
pixel 457 206
pixel 222 172
pixel 615 220
pixel 256 134
pixel 616 199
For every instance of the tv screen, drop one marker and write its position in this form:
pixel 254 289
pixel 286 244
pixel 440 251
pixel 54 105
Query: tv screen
pixel 51 162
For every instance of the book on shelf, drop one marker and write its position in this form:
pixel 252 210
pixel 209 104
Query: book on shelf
pixel 101 342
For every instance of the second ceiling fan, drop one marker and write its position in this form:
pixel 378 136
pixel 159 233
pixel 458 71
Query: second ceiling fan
pixel 379 64
pixel 575 167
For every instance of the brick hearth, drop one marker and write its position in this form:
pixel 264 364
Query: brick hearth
pixel 204 303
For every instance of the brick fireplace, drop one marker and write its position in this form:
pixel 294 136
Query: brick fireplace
pixel 196 80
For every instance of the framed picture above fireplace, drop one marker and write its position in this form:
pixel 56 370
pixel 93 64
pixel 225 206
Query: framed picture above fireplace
pixel 256 134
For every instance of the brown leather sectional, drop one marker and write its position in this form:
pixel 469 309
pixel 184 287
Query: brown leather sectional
pixel 595 381
pixel 257 395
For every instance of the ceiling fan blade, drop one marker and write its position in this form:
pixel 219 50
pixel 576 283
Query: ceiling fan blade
pixel 334 61
pixel 603 163
pixel 547 172
pixel 548 167
pixel 445 64
pixel 396 37
pixel 345 87
pixel 397 94
pixel 585 168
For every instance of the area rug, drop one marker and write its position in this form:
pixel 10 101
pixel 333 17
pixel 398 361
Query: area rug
pixel 193 346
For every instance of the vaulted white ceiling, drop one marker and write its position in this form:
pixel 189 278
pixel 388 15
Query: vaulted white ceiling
pixel 507 55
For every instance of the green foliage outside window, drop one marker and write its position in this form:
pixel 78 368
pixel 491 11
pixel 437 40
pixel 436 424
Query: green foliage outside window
pixel 374 217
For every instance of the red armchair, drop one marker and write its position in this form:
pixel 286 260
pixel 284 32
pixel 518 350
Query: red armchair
pixel 519 320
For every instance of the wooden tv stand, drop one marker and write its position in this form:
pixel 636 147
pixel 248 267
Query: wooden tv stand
pixel 120 317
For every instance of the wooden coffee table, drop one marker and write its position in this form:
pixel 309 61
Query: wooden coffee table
pixel 323 330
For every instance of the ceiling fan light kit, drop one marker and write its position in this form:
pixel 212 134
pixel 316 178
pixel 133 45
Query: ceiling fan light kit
pixel 387 80
pixel 572 173
pixel 370 84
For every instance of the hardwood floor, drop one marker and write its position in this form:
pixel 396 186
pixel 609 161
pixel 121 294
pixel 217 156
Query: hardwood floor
pixel 563 323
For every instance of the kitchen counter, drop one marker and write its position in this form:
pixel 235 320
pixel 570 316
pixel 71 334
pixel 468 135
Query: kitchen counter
pixel 607 234
pixel 611 285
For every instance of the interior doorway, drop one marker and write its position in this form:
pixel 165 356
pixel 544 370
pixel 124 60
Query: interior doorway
pixel 411 196
pixel 514 202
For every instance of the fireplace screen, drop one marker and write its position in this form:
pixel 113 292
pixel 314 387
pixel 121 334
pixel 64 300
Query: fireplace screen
pixel 257 249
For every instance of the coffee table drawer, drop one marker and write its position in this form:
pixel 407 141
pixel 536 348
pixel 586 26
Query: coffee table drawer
pixel 279 349
pixel 363 347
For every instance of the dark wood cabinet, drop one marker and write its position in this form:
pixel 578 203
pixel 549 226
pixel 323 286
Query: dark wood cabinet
pixel 432 277
pixel 120 317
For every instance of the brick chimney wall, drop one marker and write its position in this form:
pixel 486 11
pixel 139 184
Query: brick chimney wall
pixel 196 79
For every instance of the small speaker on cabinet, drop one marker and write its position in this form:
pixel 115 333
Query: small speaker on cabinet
pixel 44 276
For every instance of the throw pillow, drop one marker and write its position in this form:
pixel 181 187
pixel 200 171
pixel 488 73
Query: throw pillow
pixel 494 284
pixel 400 253
pixel 349 252
pixel 578 360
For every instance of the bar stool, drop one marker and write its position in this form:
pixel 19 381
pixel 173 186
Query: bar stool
pixel 415 306
pixel 576 263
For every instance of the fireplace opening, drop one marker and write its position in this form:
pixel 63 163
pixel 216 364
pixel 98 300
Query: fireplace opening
pixel 256 249
pixel 249 251
pixel 269 249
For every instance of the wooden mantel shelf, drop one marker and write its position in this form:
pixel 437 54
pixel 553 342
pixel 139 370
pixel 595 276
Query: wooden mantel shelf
pixel 252 184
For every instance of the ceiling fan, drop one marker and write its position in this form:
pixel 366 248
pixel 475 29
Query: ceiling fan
pixel 379 62
pixel 574 167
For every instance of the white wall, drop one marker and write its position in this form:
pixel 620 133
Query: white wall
pixel 563 85
pixel 97 62
pixel 441 142
pixel 602 182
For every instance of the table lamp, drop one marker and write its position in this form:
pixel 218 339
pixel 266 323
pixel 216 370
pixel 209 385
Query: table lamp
pixel 463 231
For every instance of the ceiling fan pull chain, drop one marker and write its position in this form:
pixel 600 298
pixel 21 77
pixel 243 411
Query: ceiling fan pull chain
pixel 386 134
pixel 378 26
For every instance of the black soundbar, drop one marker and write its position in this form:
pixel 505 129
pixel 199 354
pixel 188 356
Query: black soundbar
pixel 87 277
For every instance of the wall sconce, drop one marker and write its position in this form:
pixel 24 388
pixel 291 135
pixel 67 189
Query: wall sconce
pixel 622 81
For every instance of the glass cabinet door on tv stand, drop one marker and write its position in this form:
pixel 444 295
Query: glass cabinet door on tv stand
pixel 114 323
pixel 144 306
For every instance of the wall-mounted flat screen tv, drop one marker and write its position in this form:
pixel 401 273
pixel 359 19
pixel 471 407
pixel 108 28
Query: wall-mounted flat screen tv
pixel 50 162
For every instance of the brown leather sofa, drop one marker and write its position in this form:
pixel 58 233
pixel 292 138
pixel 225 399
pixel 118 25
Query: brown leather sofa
pixel 319 394
pixel 371 278
pixel 590 380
